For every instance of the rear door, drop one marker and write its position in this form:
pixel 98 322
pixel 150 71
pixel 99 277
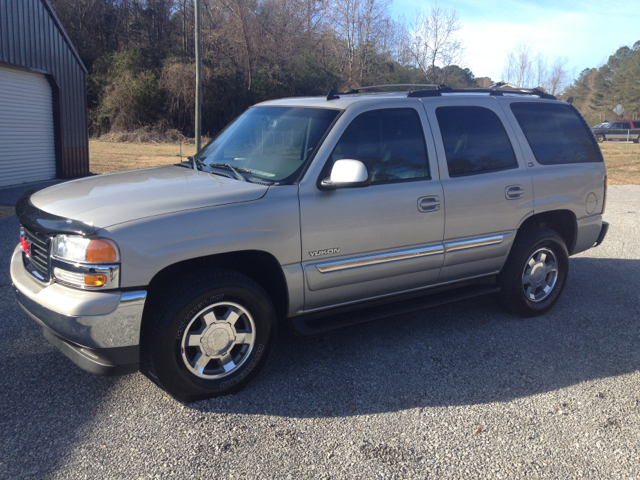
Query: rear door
pixel 618 132
pixel 360 243
pixel 487 188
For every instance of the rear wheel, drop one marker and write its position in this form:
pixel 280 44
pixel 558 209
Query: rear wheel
pixel 209 337
pixel 535 272
pixel 600 138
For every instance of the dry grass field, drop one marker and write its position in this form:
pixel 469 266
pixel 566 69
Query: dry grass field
pixel 107 157
pixel 622 168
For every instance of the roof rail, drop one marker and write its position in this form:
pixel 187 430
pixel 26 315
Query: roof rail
pixel 496 92
pixel 332 95
pixel 438 90
pixel 358 89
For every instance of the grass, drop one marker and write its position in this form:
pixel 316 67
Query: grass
pixel 622 168
pixel 106 157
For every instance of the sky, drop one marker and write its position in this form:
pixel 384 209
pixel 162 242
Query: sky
pixel 582 31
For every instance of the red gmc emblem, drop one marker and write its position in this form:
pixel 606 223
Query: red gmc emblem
pixel 26 246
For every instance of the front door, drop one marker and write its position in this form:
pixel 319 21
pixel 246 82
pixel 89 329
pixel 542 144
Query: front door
pixel 359 243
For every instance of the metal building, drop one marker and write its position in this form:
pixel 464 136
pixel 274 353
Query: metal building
pixel 43 106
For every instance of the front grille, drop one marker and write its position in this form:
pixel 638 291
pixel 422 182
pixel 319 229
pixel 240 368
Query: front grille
pixel 38 262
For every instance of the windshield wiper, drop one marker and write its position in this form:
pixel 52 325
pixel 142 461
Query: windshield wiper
pixel 196 162
pixel 235 171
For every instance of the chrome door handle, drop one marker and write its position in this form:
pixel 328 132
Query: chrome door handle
pixel 429 204
pixel 514 192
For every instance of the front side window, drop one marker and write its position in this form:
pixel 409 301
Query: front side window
pixel 555 133
pixel 269 144
pixel 475 141
pixel 389 142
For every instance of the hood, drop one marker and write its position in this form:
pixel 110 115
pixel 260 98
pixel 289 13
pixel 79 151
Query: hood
pixel 105 200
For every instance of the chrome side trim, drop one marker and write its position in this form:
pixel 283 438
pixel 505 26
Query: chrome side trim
pixel 137 296
pixel 378 259
pixel 473 243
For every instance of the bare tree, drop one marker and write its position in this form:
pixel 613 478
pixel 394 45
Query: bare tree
pixel 558 77
pixel 519 70
pixel 541 70
pixel 433 40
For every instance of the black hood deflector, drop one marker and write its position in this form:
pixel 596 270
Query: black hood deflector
pixel 36 220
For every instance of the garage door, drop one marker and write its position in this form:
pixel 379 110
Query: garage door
pixel 27 149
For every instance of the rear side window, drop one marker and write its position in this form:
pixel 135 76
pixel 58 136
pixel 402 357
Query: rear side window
pixel 475 141
pixel 555 133
pixel 390 142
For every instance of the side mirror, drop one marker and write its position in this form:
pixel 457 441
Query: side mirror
pixel 347 174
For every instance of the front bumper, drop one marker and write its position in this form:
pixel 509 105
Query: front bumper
pixel 99 331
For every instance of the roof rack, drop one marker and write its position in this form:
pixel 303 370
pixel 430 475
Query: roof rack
pixel 358 89
pixel 496 92
pixel 438 90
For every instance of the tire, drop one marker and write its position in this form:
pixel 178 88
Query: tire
pixel 209 337
pixel 535 272
pixel 600 138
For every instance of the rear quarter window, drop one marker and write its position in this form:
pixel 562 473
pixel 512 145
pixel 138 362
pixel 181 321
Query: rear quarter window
pixel 556 133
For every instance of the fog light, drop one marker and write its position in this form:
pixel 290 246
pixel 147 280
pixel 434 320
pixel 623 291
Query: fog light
pixel 95 280
pixel 69 277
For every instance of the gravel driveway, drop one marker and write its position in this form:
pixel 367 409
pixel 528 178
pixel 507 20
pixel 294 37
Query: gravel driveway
pixel 460 391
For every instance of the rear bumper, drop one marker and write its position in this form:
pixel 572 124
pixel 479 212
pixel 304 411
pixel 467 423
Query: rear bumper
pixel 603 233
pixel 99 331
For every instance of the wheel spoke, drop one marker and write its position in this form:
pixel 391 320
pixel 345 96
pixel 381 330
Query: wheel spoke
pixel 231 316
pixel 551 267
pixel 542 257
pixel 244 338
pixel 532 262
pixel 193 340
pixel 529 292
pixel 210 318
pixel 227 362
pixel 526 278
pixel 201 362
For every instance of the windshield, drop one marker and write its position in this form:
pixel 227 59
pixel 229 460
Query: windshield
pixel 268 144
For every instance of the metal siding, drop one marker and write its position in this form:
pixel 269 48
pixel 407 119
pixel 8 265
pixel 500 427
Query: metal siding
pixel 21 30
pixel 12 35
pixel 26 128
pixel 4 30
pixel 28 32
pixel 30 36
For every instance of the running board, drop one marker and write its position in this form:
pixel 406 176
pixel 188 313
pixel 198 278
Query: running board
pixel 354 314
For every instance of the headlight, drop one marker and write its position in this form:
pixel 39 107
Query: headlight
pixel 85 263
pixel 81 249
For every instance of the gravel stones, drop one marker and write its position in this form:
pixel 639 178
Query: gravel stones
pixel 459 391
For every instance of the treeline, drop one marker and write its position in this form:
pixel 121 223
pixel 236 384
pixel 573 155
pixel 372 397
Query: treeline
pixel 141 56
pixel 597 91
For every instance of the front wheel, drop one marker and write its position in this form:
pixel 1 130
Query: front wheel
pixel 600 138
pixel 209 337
pixel 535 272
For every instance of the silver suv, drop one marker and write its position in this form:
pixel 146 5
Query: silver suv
pixel 318 211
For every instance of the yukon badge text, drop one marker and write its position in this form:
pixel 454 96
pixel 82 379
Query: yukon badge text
pixel 328 251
